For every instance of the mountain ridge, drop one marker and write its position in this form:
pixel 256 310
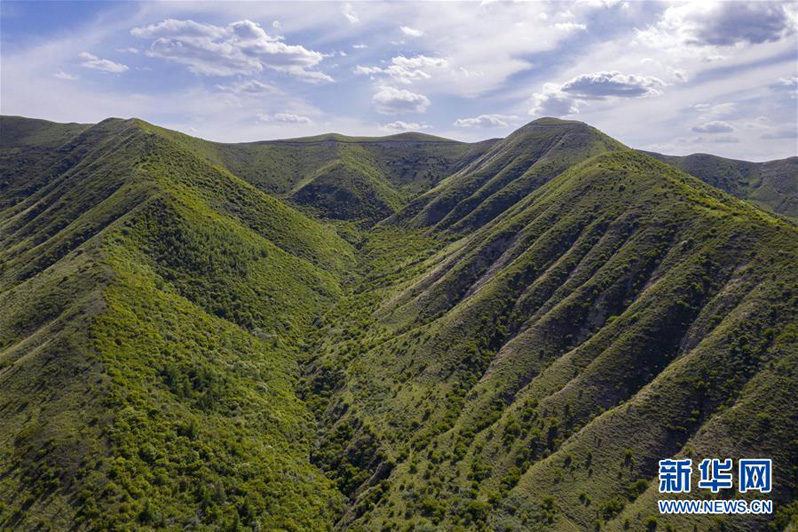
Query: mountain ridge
pixel 773 185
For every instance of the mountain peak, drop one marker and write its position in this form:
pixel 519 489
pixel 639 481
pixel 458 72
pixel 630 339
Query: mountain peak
pixel 552 121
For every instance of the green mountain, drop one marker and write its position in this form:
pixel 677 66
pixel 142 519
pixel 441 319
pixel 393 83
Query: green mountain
pixel 146 367
pixel 530 375
pixel 772 185
pixel 338 177
pixel 509 338
pixel 505 174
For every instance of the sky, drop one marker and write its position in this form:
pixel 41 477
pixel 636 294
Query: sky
pixel 678 78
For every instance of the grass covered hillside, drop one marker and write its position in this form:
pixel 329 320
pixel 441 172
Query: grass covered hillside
pixel 508 172
pixel 772 185
pixel 146 359
pixel 530 375
pixel 510 336
pixel 29 149
pixel 347 189
pixel 339 177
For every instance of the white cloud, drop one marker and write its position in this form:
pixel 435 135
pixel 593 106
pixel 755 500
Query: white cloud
pixel 128 50
pixel 63 75
pixel 678 74
pixel 312 76
pixel 485 121
pixel 406 69
pixel 411 32
pixel 566 99
pixel 715 109
pixel 106 65
pixel 570 26
pixel 788 85
pixel 720 24
pixel 360 46
pixel 242 47
pixel 390 100
pixel 284 118
pixel 367 71
pixel 603 85
pixel 350 14
pixel 716 126
pixel 404 126
pixel 553 102
pixel 250 87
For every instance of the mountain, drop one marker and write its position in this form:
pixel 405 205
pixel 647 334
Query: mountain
pixel 510 170
pixel 402 333
pixel 772 185
pixel 146 371
pixel 339 177
pixel 529 375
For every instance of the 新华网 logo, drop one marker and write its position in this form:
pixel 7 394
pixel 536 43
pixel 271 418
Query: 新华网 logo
pixel 715 475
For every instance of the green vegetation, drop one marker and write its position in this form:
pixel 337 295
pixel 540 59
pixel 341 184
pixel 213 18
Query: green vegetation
pixel 403 333
pixel 772 185
pixel 148 361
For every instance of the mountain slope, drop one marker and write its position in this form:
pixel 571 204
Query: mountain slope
pixel 509 171
pixel 29 148
pixel 364 177
pixel 621 313
pixel 772 185
pixel 348 191
pixel 146 359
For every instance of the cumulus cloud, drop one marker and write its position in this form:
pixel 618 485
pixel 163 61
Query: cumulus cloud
pixel 751 22
pixel 603 85
pixel 63 75
pixel 360 46
pixel 411 32
pixel 242 47
pixel 485 121
pixel 106 65
pixel 716 126
pixel 406 69
pixel 553 102
pixel 283 118
pixel 721 24
pixel 249 87
pixel 399 125
pixel 566 99
pixel 390 101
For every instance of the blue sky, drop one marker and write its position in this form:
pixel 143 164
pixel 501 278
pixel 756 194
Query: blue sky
pixel 672 77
